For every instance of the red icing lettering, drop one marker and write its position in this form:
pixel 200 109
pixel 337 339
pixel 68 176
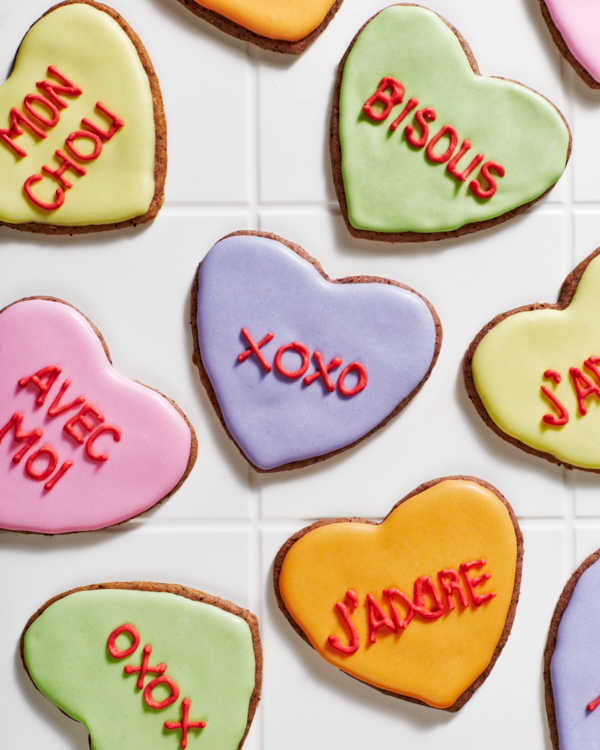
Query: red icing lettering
pixel 442 158
pixel 49 122
pixel 112 641
pixel 323 371
pixel 97 141
pixel 185 723
pixel 167 701
pixel 375 611
pixel 333 640
pixel 362 379
pixel 254 349
pixel 486 169
pixel 419 599
pixel 421 115
pixel 388 100
pixel 452 165
pixel 583 388
pixel 53 89
pixel 299 349
pixel 69 428
pixel 56 409
pixel 59 196
pixel 52 463
pixel 32 437
pixel 66 164
pixel 144 668
pixel 563 414
pixel 450 581
pixel 8 134
pixel 594 704
pixel 410 105
pixel 106 135
pixel 553 375
pixel 51 372
pixel 472 582
pixel 60 473
pixel 400 623
pixel 89 446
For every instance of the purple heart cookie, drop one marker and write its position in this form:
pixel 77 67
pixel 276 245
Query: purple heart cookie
pixel 299 367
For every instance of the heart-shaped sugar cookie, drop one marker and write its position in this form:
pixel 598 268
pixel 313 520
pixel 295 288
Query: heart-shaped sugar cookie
pixel 82 128
pixel 419 606
pixel 280 25
pixel 299 367
pixel 533 373
pixel 81 447
pixel 148 666
pixel 422 146
pixel 574 25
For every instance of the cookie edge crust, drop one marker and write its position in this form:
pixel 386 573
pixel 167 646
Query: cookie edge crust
pixel 468 693
pixel 160 144
pixel 188 593
pixel 335 151
pixel 197 357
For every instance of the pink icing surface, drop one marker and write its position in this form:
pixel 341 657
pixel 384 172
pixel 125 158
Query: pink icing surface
pixel 142 467
pixel 579 24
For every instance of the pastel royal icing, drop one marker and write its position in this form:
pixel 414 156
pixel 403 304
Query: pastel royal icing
pixel 578 22
pixel 261 285
pixel 146 450
pixel 290 20
pixel 391 186
pixel 208 654
pixel 509 367
pixel 432 660
pixel 88 48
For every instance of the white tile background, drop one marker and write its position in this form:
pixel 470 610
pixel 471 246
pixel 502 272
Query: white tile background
pixel 248 148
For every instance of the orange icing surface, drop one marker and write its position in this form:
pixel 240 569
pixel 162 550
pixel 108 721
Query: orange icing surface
pixel 435 661
pixel 289 20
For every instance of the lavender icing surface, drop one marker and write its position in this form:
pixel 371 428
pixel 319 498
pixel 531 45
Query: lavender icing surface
pixel 263 286
pixel 575 665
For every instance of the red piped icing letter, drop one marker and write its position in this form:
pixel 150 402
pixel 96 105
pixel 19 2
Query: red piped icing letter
pixel 32 437
pixel 421 115
pixel 112 641
pixel 450 581
pixel 375 611
pixel 89 446
pixel 563 414
pixel 66 164
pixel 32 472
pixel 333 640
pixel 419 599
pixel 583 388
pixel 55 409
pixel 106 135
pixel 60 473
pixel 51 372
pixel 96 140
pixel 555 375
pixel 388 100
pixel 472 582
pixel 185 723
pixel 400 623
pixel 49 122
pixel 323 371
pixel 442 158
pixel 299 349
pixel 144 667
pixel 254 349
pixel 168 700
pixel 452 165
pixel 53 90
pixel 410 105
pixel 69 428
pixel 594 704
pixel 486 170
pixel 59 196
pixel 362 379
pixel 9 134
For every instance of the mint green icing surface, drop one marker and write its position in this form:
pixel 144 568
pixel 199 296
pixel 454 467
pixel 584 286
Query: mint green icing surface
pixel 208 653
pixel 392 187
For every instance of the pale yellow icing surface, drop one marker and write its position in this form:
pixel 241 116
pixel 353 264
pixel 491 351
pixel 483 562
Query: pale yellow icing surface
pixel 435 661
pixel 510 361
pixel 289 20
pixel 91 50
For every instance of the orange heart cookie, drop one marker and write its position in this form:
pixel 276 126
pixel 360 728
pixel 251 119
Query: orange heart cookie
pixel 419 606
pixel 280 25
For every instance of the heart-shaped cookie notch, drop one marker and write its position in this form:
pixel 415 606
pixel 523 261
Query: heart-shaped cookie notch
pixel 533 373
pixel 574 29
pixel 81 447
pixel 287 26
pixel 422 146
pixel 418 606
pixel 83 142
pixel 299 367
pixel 148 665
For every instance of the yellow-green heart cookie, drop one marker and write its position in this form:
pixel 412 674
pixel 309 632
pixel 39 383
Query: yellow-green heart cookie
pixel 82 129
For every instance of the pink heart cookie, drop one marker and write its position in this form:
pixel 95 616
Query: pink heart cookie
pixel 574 25
pixel 81 447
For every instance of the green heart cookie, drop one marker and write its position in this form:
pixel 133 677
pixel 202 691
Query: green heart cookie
pixel 394 188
